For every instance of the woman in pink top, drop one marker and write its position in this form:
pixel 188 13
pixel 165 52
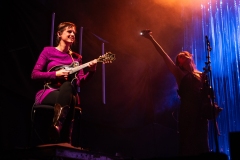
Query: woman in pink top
pixel 60 85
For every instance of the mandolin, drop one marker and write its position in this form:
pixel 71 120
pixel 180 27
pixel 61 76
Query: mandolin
pixel 73 69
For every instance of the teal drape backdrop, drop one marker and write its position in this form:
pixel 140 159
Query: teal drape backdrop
pixel 219 21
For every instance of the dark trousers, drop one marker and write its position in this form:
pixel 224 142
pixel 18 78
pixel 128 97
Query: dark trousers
pixel 65 97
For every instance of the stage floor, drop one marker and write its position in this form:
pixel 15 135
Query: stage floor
pixel 64 151
pixel 61 151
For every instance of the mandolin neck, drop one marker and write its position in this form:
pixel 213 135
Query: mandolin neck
pixel 77 68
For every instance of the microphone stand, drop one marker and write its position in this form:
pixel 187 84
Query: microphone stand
pixel 103 68
pixel 208 72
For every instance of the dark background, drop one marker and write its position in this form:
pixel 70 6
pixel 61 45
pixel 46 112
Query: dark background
pixel 139 118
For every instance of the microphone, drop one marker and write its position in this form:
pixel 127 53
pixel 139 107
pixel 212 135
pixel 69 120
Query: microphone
pixel 207 39
pixel 208 43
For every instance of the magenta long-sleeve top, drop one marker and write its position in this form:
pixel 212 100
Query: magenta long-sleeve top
pixel 49 58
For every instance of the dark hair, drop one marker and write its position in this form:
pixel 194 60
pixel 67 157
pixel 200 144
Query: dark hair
pixel 61 27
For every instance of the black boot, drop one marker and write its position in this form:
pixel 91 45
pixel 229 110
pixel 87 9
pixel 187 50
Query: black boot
pixel 66 133
pixel 60 114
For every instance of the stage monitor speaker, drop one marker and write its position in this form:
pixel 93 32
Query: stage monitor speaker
pixel 234 143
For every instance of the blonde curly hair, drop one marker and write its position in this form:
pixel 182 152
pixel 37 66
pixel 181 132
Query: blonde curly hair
pixel 189 56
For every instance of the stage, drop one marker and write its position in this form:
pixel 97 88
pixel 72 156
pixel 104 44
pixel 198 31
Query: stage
pixel 64 151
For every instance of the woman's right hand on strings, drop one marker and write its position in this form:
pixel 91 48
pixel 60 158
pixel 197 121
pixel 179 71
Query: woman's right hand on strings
pixel 62 73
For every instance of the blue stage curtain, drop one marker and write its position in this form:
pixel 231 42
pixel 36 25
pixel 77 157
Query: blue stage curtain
pixel 219 21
